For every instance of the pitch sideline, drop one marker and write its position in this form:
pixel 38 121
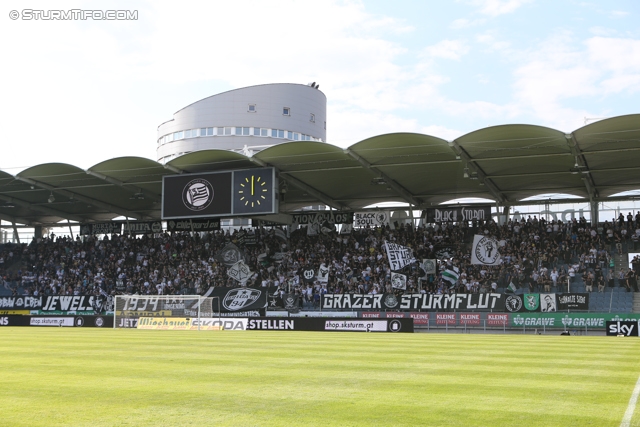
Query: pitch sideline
pixel 626 420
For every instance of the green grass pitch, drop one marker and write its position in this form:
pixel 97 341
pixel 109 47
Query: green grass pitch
pixel 94 377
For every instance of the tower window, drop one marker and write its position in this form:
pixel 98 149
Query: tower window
pixel 286 111
pixel 252 108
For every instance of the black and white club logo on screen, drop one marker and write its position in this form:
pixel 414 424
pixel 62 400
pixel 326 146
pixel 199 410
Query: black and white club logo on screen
pixel 79 321
pixel 395 326
pixel 99 322
pixel 197 194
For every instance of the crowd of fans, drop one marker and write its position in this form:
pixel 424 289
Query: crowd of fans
pixel 537 255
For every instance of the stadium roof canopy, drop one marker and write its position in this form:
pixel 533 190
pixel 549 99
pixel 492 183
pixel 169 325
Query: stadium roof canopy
pixel 506 163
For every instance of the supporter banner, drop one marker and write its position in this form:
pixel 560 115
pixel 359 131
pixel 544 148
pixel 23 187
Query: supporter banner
pixel 429 266
pixel 413 302
pixel 291 302
pixel 142 227
pixel 229 255
pixel 101 228
pixel 572 301
pixel 444 251
pixel 33 303
pixel 399 256
pixel 569 320
pixel 547 302
pixel 484 251
pixel 193 225
pixel 240 272
pixel 58 321
pixel 242 299
pixel 398 281
pixel 626 328
pixel 323 274
pixel 370 219
pixel 320 217
pixel 77 303
pixel 308 275
pixel 457 214
pixel 332 324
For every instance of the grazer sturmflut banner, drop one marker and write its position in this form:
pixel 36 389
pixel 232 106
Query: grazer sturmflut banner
pixel 413 302
pixel 458 214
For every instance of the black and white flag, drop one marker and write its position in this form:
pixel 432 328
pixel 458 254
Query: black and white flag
pixel 323 273
pixel 485 251
pixel 308 275
pixel 399 281
pixel 229 255
pixel 429 266
pixel 240 272
pixel 399 256
pixel 291 302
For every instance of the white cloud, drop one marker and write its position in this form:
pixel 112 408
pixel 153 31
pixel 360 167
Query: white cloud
pixel 448 49
pixel 619 13
pixel 559 73
pixel 498 7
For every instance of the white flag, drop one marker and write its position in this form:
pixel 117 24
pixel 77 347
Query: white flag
pixel 239 271
pixel 485 251
pixel 398 281
pixel 399 256
pixel 323 274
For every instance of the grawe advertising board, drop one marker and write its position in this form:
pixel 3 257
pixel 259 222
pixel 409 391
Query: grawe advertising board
pixel 570 320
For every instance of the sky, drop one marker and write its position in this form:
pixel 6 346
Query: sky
pixel 85 91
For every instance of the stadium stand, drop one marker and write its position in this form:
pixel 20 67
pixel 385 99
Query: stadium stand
pixel 185 263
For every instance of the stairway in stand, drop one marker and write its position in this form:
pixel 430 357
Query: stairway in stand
pixel 622 263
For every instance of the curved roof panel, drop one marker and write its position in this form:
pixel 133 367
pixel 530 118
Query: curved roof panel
pixel 506 163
